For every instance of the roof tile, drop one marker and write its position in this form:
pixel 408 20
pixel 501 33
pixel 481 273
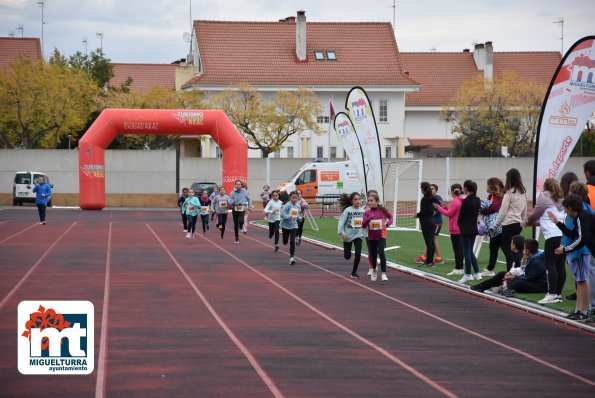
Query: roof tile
pixel 13 48
pixel 145 76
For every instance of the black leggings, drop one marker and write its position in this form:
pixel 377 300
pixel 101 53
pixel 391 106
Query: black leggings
pixel 523 286
pixel 495 244
pixel 191 222
pixel 221 221
pixel 238 222
pixel 508 231
pixel 357 242
pixel 375 250
pixel 274 231
pixel 494 281
pixel 457 249
pixel 204 218
pixel 289 234
pixel 427 230
pixel 554 263
pixel 300 227
pixel 41 209
pixel 185 221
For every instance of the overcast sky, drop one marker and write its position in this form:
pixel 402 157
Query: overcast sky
pixel 152 31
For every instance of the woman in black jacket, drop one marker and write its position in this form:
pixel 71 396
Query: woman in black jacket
pixel 426 220
pixel 468 225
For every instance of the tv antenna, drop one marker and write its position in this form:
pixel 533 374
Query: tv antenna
pixel 42 4
pixel 186 36
pixel 22 29
pixel 561 22
pixel 100 35
pixel 85 43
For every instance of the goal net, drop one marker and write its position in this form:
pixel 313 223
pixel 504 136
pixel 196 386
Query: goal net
pixel 401 191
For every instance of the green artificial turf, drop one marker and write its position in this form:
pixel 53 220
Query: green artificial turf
pixel 411 245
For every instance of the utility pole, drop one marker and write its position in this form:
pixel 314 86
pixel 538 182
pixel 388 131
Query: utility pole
pixel 561 22
pixel 100 35
pixel 42 4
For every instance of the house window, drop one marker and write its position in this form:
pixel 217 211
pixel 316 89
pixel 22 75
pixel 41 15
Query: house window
pixel 331 55
pixel 290 152
pixel 383 111
pixel 319 151
pixel 333 152
pixel 277 154
pixel 388 152
pixel 319 55
pixel 218 152
pixel 323 119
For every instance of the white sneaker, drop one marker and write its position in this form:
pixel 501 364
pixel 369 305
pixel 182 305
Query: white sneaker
pixel 455 272
pixel 478 276
pixel 487 272
pixel 466 278
pixel 188 235
pixel 291 261
pixel 185 230
pixel 192 236
pixel 374 276
pixel 384 277
pixel 370 271
pixel 549 299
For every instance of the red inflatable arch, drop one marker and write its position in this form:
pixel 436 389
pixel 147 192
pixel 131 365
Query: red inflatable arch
pixel 147 121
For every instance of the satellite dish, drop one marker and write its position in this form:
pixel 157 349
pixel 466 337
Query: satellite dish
pixel 186 36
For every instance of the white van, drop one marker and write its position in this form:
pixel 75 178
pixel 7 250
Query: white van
pixel 22 187
pixel 318 179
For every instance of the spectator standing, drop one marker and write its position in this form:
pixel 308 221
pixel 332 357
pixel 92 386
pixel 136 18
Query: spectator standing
pixel 426 220
pixel 468 225
pixel 452 212
pixel 491 210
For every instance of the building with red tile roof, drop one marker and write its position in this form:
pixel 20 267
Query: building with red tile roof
pixel 13 48
pixel 144 76
pixel 326 57
pixel 442 74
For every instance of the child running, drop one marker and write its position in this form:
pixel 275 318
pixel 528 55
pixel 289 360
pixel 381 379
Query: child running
pixel 220 206
pixel 290 215
pixel 205 203
pixel 303 207
pixel 376 219
pixel 350 228
pixel 273 213
pixel 190 207
pixel 211 197
pixel 237 200
pixel 181 201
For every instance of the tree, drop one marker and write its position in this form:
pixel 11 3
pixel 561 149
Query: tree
pixel 267 125
pixel 41 104
pixel 95 65
pixel 490 114
pixel 156 98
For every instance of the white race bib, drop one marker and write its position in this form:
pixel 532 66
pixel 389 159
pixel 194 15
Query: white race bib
pixel 204 209
pixel 294 213
pixel 376 225
pixel 356 222
pixel 239 208
pixel 190 208
pixel 223 203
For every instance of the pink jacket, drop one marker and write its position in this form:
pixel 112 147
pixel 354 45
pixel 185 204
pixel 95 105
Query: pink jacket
pixel 452 212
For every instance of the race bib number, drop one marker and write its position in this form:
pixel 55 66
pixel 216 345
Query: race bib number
pixel 294 213
pixel 356 222
pixel 223 203
pixel 204 209
pixel 239 208
pixel 376 225
pixel 190 208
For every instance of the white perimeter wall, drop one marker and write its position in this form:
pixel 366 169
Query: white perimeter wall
pixel 155 171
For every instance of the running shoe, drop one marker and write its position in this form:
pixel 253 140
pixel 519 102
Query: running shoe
pixel 298 241
pixel 185 230
pixel 374 276
pixel 438 260
pixel 384 277
pixel 354 276
pixel 431 265
pixel 420 260
pixel 465 278
pixel 276 248
pixel 237 242
pixel 477 276
pixel 188 235
pixel 455 272
pixel 370 271
pixel 549 299
pixel 571 297
pixel 291 261
pixel 578 316
pixel 487 272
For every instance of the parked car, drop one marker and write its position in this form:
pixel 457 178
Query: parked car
pixel 198 187
pixel 22 187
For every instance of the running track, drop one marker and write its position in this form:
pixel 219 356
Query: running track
pixel 207 318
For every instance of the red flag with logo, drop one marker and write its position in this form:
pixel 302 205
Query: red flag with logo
pixel 332 111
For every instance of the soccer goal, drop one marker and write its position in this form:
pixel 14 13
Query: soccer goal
pixel 401 190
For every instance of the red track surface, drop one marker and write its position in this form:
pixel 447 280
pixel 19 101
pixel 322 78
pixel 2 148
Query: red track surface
pixel 207 318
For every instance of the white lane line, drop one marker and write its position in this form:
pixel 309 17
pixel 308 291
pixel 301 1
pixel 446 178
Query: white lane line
pixel 450 323
pixel 43 256
pixel 17 234
pixel 102 359
pixel 261 372
pixel 367 342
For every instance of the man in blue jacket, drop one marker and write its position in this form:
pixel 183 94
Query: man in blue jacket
pixel 534 280
pixel 43 192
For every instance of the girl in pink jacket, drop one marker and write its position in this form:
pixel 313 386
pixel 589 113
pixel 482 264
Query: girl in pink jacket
pixel 452 212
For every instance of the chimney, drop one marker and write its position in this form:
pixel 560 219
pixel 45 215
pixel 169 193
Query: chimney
pixel 488 72
pixel 466 50
pixel 479 56
pixel 300 36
